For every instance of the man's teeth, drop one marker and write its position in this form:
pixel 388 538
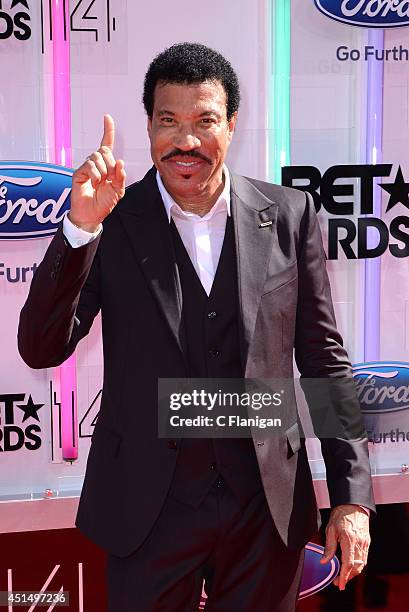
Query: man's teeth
pixel 186 164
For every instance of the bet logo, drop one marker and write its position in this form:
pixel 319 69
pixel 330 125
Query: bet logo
pixel 15 22
pixel 17 411
pixel 348 193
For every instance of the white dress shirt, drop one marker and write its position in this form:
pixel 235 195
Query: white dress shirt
pixel 202 236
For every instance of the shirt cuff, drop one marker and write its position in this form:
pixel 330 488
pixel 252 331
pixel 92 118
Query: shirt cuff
pixel 76 236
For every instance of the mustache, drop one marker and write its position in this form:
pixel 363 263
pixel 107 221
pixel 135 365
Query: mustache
pixel 179 152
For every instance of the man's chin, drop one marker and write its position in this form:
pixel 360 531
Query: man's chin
pixel 185 185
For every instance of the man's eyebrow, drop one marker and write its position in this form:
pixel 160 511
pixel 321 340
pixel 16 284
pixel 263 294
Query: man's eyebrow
pixel 210 113
pixel 165 112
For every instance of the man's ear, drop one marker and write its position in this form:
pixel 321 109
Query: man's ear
pixel 232 123
pixel 149 126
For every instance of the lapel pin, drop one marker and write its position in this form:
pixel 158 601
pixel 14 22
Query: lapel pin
pixel 266 223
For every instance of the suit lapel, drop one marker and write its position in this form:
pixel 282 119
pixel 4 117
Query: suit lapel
pixel 145 222
pixel 255 218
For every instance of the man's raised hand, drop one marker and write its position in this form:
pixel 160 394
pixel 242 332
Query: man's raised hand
pixel 97 185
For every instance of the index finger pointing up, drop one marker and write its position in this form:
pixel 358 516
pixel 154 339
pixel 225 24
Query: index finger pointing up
pixel 109 132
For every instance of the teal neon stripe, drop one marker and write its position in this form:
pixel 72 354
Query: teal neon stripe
pixel 279 149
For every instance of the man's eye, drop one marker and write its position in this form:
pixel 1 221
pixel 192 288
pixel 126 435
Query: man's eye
pixel 167 120
pixel 208 120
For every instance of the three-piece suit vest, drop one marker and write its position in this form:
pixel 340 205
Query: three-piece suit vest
pixel 211 328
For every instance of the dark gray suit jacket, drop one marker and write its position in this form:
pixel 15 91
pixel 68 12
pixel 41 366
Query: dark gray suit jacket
pixel 129 273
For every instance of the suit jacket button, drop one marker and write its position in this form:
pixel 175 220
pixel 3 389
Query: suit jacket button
pixel 172 444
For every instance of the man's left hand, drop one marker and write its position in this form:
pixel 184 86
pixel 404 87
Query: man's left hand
pixel 349 526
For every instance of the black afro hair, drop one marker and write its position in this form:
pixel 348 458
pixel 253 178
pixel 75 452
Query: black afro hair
pixel 191 63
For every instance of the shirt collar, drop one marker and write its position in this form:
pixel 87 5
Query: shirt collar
pixel 222 203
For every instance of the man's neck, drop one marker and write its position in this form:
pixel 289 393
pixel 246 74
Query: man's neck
pixel 202 206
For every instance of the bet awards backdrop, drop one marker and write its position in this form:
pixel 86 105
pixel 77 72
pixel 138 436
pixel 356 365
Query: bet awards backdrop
pixel 349 129
pixel 324 109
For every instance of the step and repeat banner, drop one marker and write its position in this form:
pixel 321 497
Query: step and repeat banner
pixel 348 146
pixel 325 103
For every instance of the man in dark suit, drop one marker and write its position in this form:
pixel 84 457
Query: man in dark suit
pixel 198 272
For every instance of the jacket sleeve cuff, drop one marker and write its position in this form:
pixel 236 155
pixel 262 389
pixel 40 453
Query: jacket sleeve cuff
pixel 364 508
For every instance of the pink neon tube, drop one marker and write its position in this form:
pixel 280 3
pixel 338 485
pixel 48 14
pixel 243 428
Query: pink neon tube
pixel 63 156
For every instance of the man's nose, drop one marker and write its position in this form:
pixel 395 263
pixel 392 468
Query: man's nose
pixel 186 140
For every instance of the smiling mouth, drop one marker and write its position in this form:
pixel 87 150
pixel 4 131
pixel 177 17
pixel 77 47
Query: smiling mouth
pixel 185 168
pixel 187 164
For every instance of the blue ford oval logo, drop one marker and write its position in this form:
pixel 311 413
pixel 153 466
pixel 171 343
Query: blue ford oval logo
pixel 33 199
pixel 382 386
pixel 367 13
pixel 316 576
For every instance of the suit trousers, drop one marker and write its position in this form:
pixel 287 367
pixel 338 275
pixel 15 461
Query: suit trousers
pixel 235 549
